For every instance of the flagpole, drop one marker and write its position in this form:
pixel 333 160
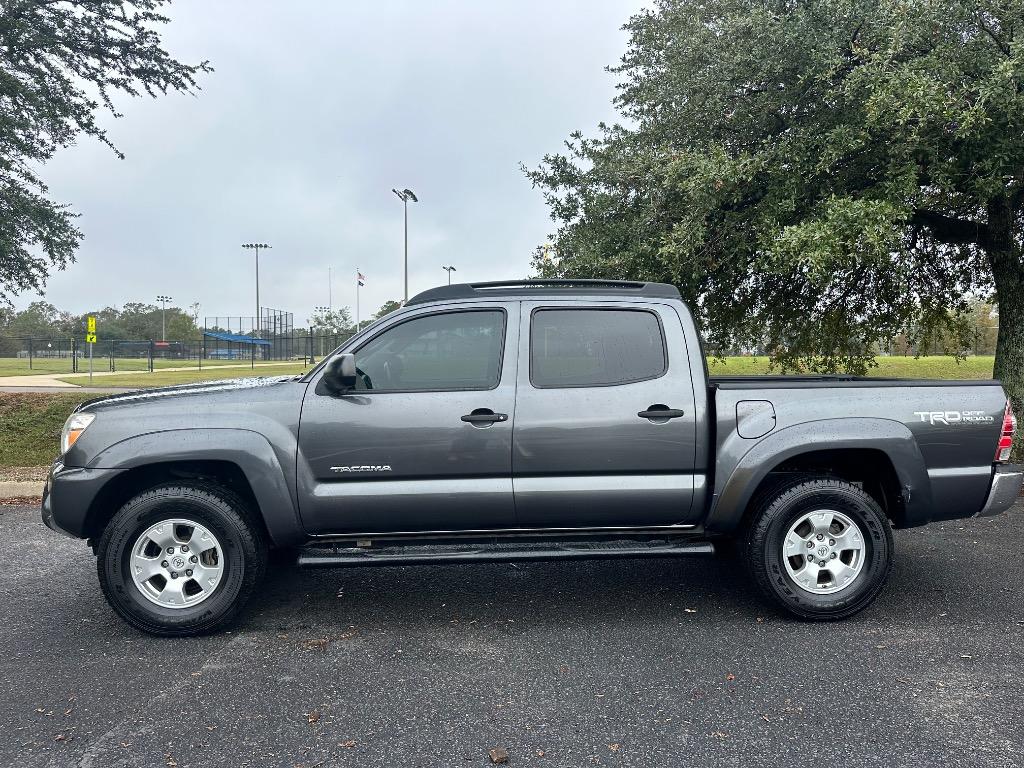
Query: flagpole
pixel 358 282
pixel 330 301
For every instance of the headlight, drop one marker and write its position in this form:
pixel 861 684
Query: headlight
pixel 73 429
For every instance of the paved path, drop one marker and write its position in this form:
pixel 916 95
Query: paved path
pixel 35 382
pixel 616 663
pixel 45 382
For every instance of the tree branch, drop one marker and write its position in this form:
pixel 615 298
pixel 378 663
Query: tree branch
pixel 950 230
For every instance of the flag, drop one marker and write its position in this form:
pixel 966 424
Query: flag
pixel 360 276
pixel 361 283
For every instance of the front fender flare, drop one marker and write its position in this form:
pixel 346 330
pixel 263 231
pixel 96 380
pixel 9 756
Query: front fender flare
pixel 250 451
pixel 736 486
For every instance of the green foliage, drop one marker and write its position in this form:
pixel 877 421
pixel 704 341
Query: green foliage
pixel 327 322
pixel 62 61
pixel 815 177
pixel 387 308
pixel 135 321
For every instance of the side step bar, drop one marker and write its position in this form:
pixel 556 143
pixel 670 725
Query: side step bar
pixel 324 556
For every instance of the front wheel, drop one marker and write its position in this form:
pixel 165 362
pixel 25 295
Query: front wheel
pixel 821 548
pixel 180 559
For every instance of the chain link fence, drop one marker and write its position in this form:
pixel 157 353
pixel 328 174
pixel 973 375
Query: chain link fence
pixel 29 355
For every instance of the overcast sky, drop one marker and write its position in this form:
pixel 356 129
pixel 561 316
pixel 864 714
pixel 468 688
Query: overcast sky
pixel 315 111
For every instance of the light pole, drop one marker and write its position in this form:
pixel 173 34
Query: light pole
pixel 405 196
pixel 259 321
pixel 256 247
pixel 163 316
pixel 449 270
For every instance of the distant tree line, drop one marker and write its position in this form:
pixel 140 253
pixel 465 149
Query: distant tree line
pixel 133 321
pixel 136 321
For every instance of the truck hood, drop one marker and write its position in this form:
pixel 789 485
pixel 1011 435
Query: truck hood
pixel 222 386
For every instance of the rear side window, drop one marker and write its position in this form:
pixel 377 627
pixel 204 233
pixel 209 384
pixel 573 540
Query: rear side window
pixel 595 347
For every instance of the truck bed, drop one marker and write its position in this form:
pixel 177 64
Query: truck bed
pixel 947 428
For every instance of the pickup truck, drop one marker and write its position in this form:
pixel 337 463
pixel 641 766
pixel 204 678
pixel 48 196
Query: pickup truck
pixel 523 420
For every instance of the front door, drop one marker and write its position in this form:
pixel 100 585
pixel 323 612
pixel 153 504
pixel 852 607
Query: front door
pixel 424 441
pixel 605 432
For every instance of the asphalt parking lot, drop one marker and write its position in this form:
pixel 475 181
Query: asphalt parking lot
pixel 615 663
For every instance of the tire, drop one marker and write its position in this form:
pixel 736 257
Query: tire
pixel 791 528
pixel 230 560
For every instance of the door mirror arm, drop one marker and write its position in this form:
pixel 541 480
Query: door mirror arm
pixel 340 374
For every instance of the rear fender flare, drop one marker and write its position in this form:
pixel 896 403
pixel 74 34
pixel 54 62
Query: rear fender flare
pixel 738 484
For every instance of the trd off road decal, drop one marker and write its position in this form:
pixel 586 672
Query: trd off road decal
pixel 955 417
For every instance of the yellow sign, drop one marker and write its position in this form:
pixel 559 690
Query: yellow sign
pixel 90 338
pixel 90 329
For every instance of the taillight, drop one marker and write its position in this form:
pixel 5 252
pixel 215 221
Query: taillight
pixel 1006 436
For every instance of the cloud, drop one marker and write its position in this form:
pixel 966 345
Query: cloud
pixel 315 111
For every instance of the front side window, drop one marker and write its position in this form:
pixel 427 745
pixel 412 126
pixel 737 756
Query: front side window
pixel 455 350
pixel 595 347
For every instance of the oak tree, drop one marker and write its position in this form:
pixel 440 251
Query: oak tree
pixel 62 64
pixel 816 177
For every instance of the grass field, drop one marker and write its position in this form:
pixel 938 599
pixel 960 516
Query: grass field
pixel 937 367
pixel 40 365
pixel 165 378
pixel 897 367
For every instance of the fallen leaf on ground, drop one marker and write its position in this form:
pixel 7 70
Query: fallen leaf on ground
pixel 498 755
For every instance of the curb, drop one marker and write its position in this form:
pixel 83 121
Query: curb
pixel 10 489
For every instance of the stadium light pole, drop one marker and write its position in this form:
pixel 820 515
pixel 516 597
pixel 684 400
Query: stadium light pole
pixel 163 316
pixel 259 321
pixel 405 196
pixel 449 270
pixel 256 247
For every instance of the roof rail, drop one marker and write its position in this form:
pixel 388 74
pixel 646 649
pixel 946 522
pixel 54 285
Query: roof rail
pixel 534 287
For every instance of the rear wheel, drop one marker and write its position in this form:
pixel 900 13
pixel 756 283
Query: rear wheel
pixel 821 548
pixel 180 559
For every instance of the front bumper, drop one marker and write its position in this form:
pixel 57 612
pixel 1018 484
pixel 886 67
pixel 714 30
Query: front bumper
pixel 1005 489
pixel 68 497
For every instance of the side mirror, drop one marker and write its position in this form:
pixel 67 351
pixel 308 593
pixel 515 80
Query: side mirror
pixel 340 374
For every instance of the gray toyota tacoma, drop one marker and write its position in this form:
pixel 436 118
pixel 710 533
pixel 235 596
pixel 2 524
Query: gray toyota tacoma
pixel 521 420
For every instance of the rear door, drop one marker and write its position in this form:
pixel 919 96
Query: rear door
pixel 605 431
pixel 424 441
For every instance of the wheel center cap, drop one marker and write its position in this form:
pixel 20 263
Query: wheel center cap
pixel 822 551
pixel 178 563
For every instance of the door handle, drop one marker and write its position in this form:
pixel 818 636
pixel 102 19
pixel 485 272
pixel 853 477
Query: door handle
pixel 484 417
pixel 659 411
